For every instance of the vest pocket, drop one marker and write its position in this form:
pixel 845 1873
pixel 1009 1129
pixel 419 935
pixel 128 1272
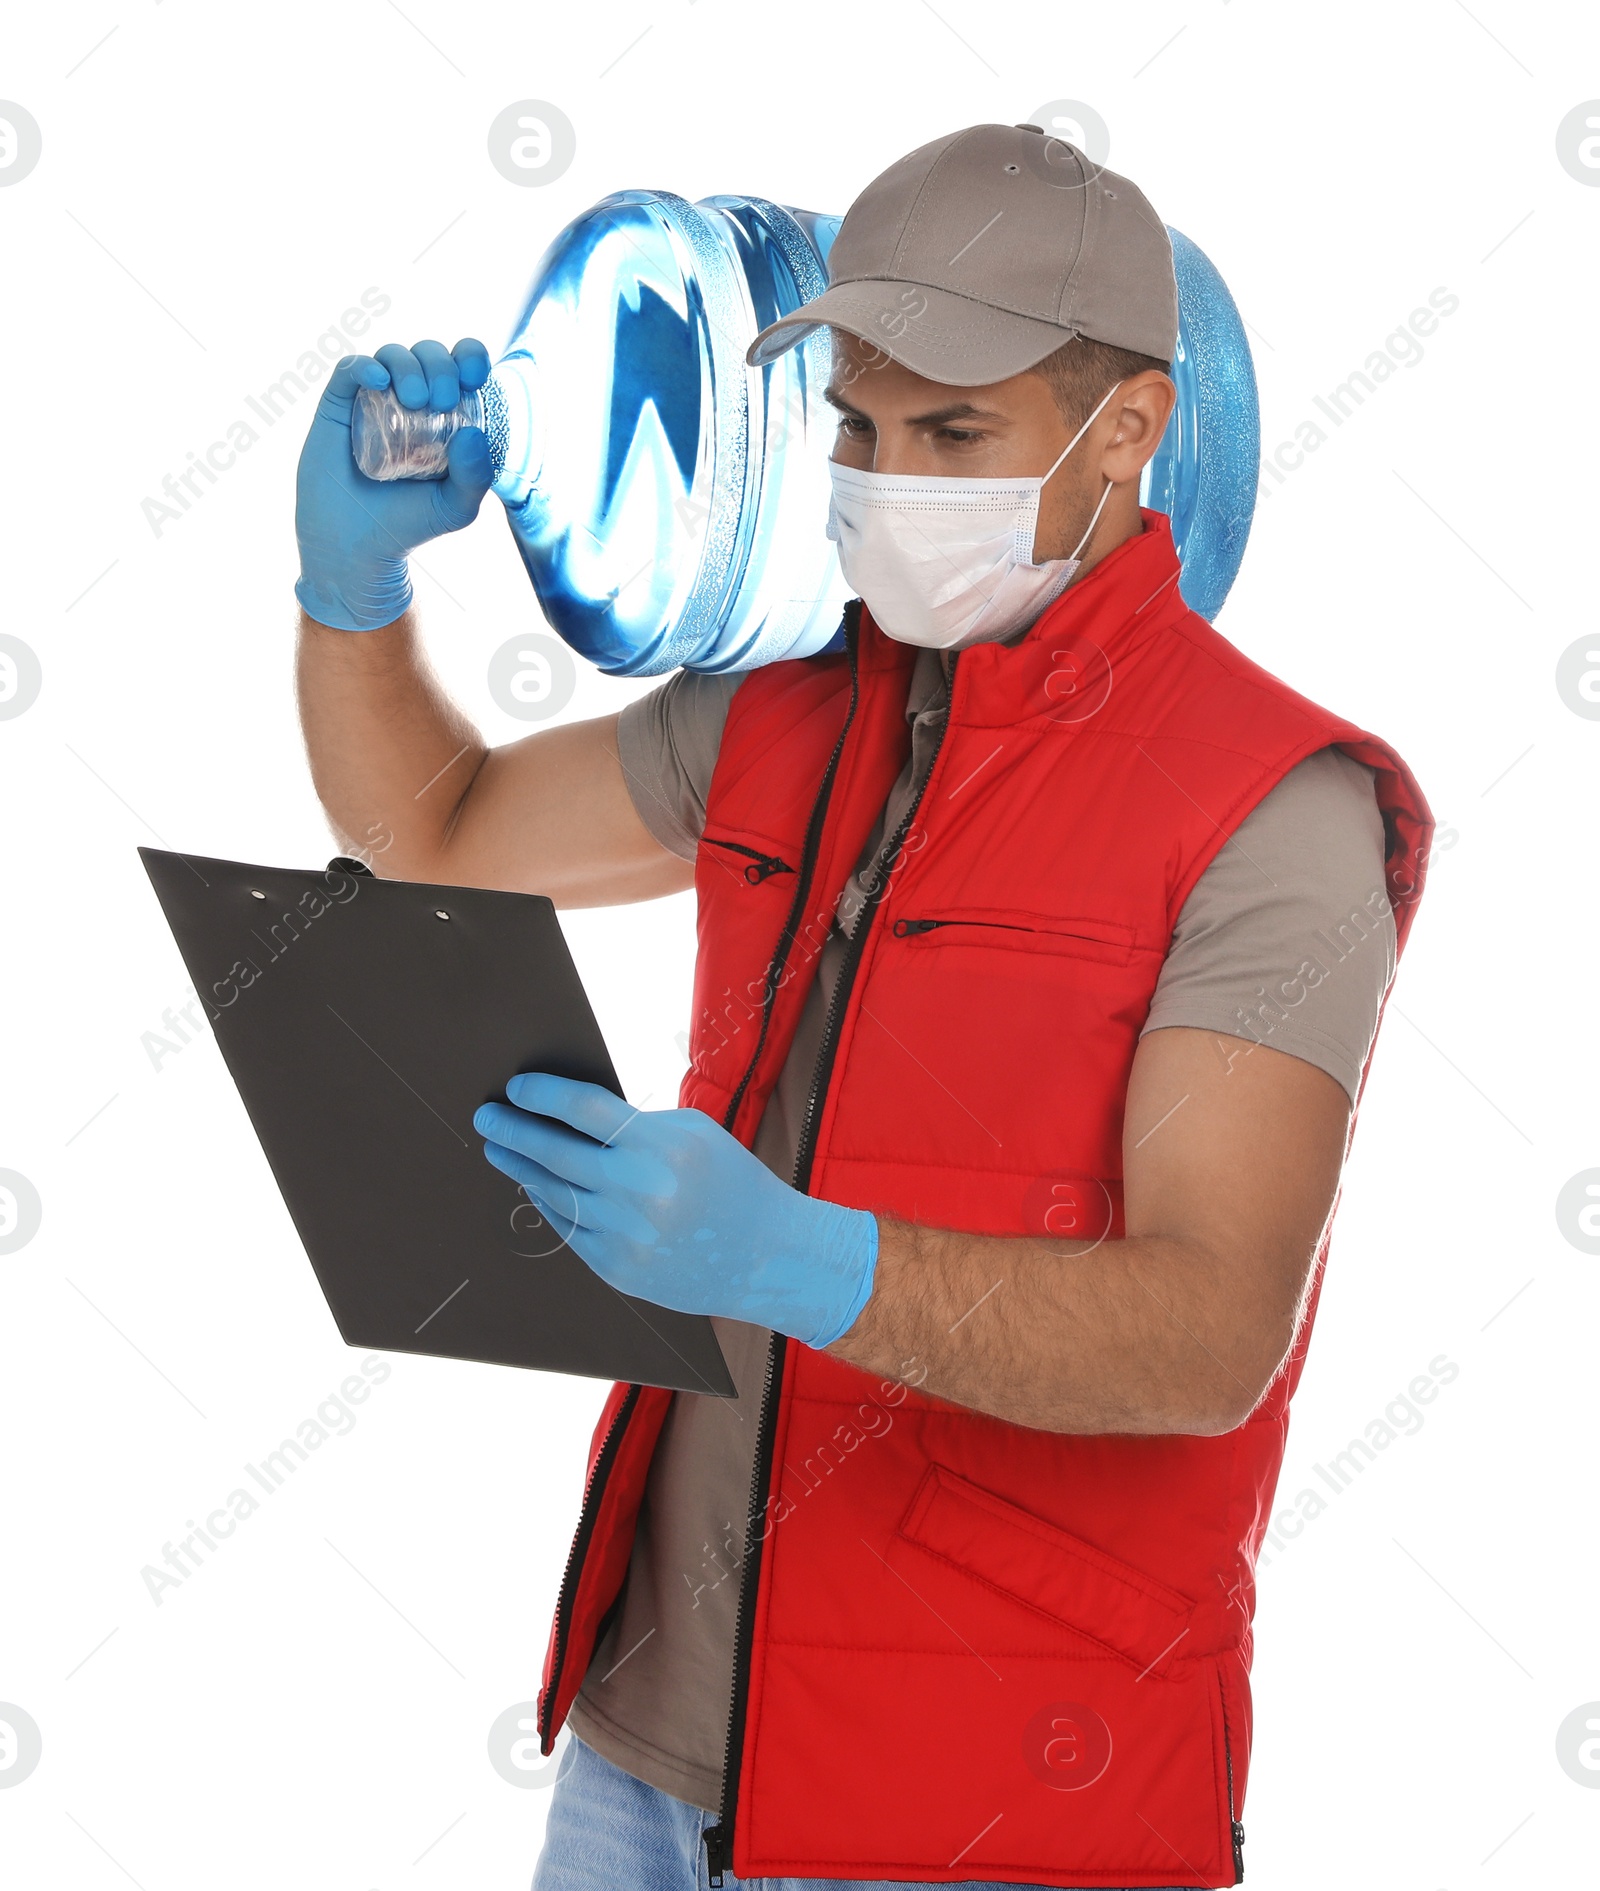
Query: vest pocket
pixel 1102 939
pixel 755 863
pixel 1049 1570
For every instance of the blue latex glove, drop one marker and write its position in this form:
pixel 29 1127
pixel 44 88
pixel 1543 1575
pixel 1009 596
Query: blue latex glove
pixel 667 1206
pixel 354 532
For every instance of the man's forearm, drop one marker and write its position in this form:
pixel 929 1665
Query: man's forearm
pixel 391 755
pixel 1134 1335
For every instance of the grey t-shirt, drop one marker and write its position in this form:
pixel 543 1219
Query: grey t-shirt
pixel 1301 879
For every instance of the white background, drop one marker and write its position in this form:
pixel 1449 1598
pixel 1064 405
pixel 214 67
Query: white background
pixel 217 185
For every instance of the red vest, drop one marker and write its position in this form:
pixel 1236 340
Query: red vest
pixel 969 1650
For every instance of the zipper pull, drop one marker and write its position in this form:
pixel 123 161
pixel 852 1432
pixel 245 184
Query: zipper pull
pixel 907 928
pixel 717 1860
pixel 761 867
pixel 1238 1852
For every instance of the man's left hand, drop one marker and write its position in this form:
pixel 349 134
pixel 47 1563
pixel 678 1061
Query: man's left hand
pixel 667 1206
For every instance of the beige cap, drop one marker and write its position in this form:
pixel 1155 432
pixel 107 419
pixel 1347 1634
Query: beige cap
pixel 976 256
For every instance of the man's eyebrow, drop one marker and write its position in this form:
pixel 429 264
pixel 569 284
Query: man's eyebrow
pixel 957 410
pixel 942 416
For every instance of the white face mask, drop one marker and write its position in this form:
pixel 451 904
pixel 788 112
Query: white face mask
pixel 949 562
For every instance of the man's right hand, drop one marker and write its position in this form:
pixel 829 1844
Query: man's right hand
pixel 391 754
pixel 355 532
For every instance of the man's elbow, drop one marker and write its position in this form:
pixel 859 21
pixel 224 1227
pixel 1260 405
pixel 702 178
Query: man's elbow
pixel 1227 1393
pixel 1197 1417
pixel 1191 1412
pixel 1215 1419
pixel 1235 1394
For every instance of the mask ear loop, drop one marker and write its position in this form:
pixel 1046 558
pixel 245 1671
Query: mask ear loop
pixel 1084 428
pixel 1092 524
pixel 1095 519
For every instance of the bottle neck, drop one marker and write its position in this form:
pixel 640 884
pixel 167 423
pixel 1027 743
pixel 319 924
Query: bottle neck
pixel 512 419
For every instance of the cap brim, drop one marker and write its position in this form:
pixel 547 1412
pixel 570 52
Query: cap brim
pixel 933 332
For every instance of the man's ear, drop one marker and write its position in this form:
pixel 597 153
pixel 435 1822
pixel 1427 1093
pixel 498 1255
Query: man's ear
pixel 1136 421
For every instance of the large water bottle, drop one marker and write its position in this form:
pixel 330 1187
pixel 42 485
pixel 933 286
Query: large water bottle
pixel 671 502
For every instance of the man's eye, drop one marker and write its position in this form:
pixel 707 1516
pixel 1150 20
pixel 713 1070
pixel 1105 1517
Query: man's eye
pixel 854 423
pixel 961 435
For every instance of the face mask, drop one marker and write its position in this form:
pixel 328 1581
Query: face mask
pixel 949 562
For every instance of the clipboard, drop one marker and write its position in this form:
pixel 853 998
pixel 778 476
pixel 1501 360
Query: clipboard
pixel 363 1021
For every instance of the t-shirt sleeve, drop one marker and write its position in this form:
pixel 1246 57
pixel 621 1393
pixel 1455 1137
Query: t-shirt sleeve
pixel 1287 939
pixel 667 742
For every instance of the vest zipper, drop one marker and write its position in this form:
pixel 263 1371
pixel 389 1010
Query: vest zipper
pixel 840 996
pixel 593 1491
pixel 808 861
pixel 718 1838
pixel 1236 1830
pixel 762 866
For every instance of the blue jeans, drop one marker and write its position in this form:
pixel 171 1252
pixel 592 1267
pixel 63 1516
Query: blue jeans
pixel 611 1832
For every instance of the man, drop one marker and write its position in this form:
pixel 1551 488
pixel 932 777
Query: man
pixel 1043 940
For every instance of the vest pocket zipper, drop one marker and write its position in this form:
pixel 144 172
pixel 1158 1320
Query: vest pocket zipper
pixel 914 928
pixel 761 866
pixel 1068 935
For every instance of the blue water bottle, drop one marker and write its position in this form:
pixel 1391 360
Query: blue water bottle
pixel 670 502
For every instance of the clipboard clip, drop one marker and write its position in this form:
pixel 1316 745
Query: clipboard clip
pixel 343 863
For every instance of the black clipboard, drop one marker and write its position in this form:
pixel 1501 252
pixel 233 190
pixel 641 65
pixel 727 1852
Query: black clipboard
pixel 364 1020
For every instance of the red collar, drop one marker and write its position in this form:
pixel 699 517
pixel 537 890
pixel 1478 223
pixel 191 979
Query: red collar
pixel 1066 664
